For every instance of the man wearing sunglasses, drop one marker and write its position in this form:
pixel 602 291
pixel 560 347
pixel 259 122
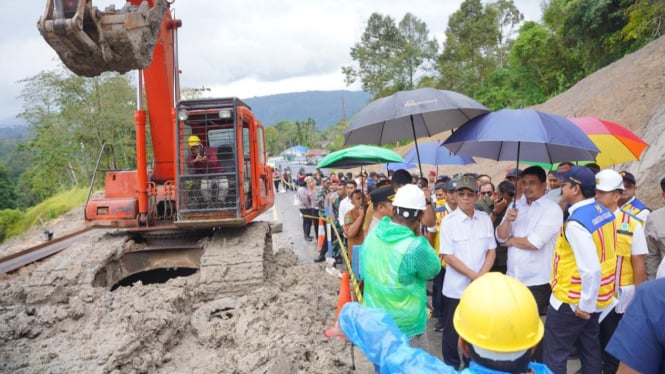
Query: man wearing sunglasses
pixel 467 244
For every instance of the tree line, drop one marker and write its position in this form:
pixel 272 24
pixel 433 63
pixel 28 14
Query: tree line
pixel 489 53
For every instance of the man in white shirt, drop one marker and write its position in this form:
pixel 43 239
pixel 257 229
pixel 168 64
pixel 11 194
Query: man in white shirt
pixel 530 231
pixel 345 205
pixel 467 244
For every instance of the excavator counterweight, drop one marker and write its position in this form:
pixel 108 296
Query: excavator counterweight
pixel 90 42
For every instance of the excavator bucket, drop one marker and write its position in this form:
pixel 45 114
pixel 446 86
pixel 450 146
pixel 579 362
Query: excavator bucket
pixel 90 42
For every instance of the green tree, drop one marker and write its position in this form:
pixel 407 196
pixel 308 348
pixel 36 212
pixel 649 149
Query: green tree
pixel 418 52
pixel 71 117
pixel 375 55
pixel 587 27
pixel 478 39
pixel 646 22
pixel 7 191
pixel 390 57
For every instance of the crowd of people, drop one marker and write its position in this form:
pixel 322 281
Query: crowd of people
pixel 577 239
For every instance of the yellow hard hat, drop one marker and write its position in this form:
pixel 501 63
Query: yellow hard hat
pixel 193 140
pixel 499 314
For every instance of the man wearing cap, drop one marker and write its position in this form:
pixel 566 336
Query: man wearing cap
pixel 630 250
pixel 514 176
pixel 628 201
pixel 583 279
pixel 396 264
pixel 467 244
pixel 529 230
pixel 382 203
pixel 431 177
pixel 654 229
pixel 555 191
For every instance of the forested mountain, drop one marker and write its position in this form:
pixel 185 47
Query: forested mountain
pixel 324 107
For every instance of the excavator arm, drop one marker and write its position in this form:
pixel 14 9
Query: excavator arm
pixel 90 42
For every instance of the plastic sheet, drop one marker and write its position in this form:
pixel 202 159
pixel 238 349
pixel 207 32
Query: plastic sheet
pixel 377 335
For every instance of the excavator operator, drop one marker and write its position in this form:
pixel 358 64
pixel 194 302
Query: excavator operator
pixel 204 160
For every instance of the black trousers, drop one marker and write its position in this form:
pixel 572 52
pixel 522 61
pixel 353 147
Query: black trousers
pixel 437 296
pixel 563 331
pixel 306 222
pixel 449 337
pixel 607 327
pixel 542 295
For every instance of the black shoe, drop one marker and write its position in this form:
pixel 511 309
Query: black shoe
pixel 438 326
pixel 308 238
pixel 321 258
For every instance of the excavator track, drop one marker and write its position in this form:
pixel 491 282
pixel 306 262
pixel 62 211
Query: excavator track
pixel 27 256
pixel 232 259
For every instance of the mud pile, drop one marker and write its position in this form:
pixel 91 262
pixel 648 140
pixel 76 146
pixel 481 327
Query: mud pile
pixel 54 320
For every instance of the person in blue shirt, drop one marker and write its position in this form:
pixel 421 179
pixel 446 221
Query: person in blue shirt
pixel 639 340
pixel 497 321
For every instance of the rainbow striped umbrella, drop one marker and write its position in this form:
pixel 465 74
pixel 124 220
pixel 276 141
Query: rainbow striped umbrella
pixel 616 143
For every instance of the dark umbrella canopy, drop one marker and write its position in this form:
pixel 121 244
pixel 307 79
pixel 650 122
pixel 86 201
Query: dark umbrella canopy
pixel 433 153
pixel 522 134
pixel 431 111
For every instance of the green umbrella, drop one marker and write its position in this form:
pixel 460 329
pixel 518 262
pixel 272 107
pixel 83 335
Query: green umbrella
pixel 359 155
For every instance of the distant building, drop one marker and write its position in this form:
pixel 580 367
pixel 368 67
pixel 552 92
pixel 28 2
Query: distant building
pixel 295 151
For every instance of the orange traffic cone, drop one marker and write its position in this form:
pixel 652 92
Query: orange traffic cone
pixel 322 234
pixel 344 293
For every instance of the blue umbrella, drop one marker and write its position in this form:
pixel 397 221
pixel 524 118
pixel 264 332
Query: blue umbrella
pixel 400 165
pixel 522 134
pixel 432 153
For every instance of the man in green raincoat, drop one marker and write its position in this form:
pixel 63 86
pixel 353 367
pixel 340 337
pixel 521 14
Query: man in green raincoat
pixel 396 264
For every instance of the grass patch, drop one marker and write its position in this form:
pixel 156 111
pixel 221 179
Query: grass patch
pixel 14 222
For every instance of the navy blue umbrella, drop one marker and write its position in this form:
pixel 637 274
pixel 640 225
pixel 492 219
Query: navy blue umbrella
pixel 522 134
pixel 432 153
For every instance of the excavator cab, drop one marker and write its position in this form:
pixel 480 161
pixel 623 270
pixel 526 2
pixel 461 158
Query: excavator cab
pixel 222 174
pixel 90 42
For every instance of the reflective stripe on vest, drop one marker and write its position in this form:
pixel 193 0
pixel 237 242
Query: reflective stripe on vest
pixel 625 231
pixel 566 281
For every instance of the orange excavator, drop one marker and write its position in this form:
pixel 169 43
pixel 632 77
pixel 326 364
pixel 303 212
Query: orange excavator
pixel 209 166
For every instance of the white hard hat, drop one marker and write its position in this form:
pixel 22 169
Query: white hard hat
pixel 410 197
pixel 609 180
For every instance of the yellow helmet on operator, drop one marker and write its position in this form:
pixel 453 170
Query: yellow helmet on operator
pixel 193 140
pixel 499 314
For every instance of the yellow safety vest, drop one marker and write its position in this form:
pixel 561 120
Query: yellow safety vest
pixel 566 281
pixel 624 269
pixel 440 211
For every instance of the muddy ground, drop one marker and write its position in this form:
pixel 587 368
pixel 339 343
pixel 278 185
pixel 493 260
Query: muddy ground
pixel 56 316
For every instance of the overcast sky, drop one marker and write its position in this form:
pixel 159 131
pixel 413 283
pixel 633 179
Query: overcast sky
pixel 237 48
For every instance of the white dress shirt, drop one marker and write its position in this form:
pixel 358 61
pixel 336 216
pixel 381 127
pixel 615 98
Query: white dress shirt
pixel 468 239
pixel 540 223
pixel 344 206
